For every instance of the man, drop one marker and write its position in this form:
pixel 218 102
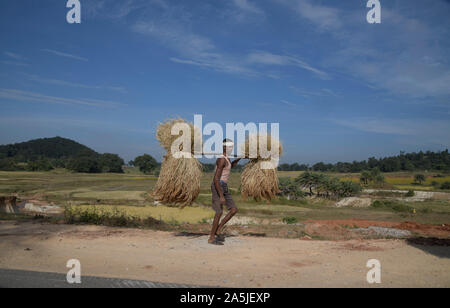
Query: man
pixel 220 193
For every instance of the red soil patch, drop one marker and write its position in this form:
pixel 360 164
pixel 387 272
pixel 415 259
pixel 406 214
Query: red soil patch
pixel 329 231
pixel 428 230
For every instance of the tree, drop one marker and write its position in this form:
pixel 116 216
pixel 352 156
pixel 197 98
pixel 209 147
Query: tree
pixel 374 173
pixel 111 163
pixel 290 189
pixel 306 179
pixel 86 164
pixel 379 179
pixel 349 188
pixel 419 179
pixel 365 177
pixel 146 163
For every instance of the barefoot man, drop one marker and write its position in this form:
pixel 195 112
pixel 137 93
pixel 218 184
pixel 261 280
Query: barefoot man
pixel 220 194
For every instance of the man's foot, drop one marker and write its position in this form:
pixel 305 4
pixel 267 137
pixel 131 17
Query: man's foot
pixel 220 237
pixel 215 242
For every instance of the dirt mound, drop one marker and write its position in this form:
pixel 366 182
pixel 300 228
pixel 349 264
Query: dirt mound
pixel 429 230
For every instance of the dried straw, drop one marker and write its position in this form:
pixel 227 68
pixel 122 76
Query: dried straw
pixel 179 181
pixel 165 137
pixel 256 181
pixel 179 178
pixel 260 148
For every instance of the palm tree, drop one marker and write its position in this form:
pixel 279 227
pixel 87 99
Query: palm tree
pixel 306 179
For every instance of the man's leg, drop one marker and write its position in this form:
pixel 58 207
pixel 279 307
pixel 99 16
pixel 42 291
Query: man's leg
pixel 215 225
pixel 230 215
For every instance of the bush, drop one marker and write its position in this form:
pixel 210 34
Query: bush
pixel 410 193
pixel 419 179
pixel 445 185
pixel 289 189
pixel 290 220
pixel 392 205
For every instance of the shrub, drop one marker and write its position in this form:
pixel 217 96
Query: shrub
pixel 290 220
pixel 117 218
pixel 419 179
pixel 410 193
pixel 445 185
pixel 392 205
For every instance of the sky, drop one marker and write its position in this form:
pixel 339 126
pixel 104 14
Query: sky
pixel 340 88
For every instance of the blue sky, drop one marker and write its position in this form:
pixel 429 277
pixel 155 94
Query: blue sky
pixel 341 89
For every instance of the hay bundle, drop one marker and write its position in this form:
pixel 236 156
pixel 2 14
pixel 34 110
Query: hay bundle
pixel 256 181
pixel 179 178
pixel 165 137
pixel 253 146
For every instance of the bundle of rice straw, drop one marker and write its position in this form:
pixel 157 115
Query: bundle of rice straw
pixel 257 180
pixel 179 178
pixel 165 137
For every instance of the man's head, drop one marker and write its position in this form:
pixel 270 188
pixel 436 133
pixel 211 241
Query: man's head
pixel 228 146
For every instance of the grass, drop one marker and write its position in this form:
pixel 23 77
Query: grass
pixel 128 193
pixel 167 214
pixel 115 217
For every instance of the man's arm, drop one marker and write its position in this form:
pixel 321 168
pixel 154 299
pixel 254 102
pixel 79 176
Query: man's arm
pixel 220 164
pixel 235 162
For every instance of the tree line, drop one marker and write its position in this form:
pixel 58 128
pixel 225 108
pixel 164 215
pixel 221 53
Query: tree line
pixel 49 153
pixel 438 161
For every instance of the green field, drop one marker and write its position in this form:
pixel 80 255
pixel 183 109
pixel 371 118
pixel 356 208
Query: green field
pixel 129 192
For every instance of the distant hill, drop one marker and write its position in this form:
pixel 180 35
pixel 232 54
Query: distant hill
pixel 56 147
pixel 47 153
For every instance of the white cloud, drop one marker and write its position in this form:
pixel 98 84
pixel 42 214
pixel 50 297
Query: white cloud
pixel 13 55
pixel 318 93
pixel 267 58
pixel 401 55
pixel 15 63
pixel 66 55
pixel 26 96
pixel 72 84
pixel 323 17
pixel 248 7
pixel 195 49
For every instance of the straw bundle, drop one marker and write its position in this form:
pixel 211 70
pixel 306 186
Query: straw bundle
pixel 165 137
pixel 254 141
pixel 256 181
pixel 179 178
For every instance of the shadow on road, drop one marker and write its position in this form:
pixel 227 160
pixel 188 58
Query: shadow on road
pixel 435 246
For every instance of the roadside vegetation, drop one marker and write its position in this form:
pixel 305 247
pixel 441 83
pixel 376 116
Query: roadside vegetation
pixel 305 196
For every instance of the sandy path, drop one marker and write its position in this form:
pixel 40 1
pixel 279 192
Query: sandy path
pixel 242 262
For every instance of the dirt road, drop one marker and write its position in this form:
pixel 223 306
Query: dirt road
pixel 241 262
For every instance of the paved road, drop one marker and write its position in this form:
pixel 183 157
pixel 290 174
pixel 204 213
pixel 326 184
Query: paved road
pixel 29 279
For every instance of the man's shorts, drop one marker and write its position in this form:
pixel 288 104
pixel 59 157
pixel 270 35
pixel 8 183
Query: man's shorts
pixel 216 198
